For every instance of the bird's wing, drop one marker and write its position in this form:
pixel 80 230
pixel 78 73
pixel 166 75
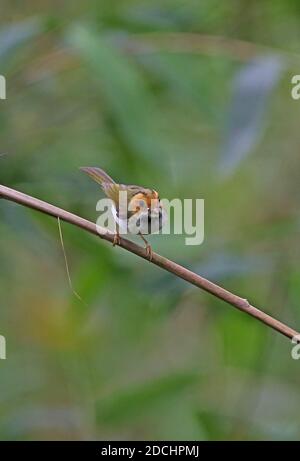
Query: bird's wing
pixel 133 190
pixel 111 188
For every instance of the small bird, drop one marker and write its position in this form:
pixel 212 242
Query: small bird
pixel 143 207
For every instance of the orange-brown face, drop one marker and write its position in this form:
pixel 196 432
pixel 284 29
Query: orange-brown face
pixel 150 199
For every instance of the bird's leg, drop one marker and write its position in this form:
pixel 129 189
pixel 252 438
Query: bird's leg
pixel 149 251
pixel 117 239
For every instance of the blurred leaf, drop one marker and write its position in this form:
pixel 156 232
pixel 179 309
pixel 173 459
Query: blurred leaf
pixel 131 104
pixel 243 339
pixel 191 79
pixel 40 418
pixel 12 37
pixel 214 424
pixel 158 17
pixel 223 265
pixel 294 291
pixel 131 403
pixel 252 90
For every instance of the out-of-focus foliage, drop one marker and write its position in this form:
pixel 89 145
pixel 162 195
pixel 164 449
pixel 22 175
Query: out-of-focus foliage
pixel 159 94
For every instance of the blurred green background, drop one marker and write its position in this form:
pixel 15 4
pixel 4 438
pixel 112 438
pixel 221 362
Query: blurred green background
pixel 190 98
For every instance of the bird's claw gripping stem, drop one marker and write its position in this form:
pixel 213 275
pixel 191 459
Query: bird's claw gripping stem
pixel 117 240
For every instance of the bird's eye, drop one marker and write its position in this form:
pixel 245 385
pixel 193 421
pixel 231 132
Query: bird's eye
pixel 142 203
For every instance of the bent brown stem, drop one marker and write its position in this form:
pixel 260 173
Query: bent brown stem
pixel 166 264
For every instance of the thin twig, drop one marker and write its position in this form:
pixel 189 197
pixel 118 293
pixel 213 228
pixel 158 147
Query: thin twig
pixel 67 264
pixel 158 260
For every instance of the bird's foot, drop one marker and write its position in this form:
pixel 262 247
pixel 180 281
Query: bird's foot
pixel 117 240
pixel 149 252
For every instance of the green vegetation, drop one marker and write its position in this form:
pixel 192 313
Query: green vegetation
pixel 146 90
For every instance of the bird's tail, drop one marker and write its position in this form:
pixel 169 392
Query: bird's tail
pixel 98 175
